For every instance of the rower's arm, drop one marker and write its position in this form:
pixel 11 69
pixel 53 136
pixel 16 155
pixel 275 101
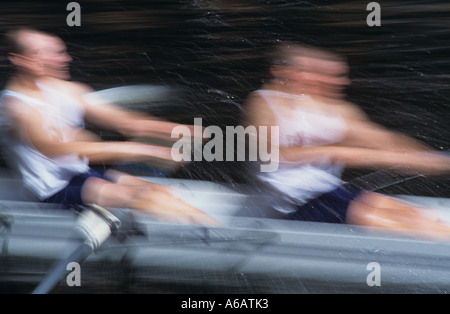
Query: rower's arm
pixel 29 127
pixel 258 113
pixel 370 135
pixel 428 163
pixel 362 132
pixel 128 123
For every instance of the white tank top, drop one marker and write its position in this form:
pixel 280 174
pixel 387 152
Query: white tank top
pixel 42 175
pixel 300 183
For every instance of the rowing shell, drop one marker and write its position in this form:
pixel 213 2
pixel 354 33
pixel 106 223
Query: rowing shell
pixel 249 254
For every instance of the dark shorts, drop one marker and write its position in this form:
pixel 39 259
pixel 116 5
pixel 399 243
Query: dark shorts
pixel 330 207
pixel 71 194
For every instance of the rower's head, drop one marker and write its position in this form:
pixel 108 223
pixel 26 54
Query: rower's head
pixel 37 53
pixel 310 70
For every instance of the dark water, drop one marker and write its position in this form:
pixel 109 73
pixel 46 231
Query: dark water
pixel 213 51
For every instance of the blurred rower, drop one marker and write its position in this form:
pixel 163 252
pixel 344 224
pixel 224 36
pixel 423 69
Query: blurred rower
pixel 53 151
pixel 321 134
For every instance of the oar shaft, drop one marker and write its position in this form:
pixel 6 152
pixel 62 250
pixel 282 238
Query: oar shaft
pixel 53 278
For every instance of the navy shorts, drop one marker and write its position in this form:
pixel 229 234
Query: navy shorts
pixel 330 207
pixel 71 194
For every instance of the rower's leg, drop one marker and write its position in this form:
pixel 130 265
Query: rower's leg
pixel 375 210
pixel 127 179
pixel 153 198
pixel 383 201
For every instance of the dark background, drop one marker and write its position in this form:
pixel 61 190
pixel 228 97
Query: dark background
pixel 213 53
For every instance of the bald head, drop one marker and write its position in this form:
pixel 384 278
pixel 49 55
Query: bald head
pixel 17 39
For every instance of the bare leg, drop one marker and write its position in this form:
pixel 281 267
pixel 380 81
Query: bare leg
pixel 383 201
pixel 127 179
pixel 375 210
pixel 137 194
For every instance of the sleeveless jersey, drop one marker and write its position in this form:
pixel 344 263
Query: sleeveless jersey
pixel 306 128
pixel 42 175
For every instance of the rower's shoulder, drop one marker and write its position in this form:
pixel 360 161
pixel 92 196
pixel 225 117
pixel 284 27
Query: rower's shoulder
pixel 348 110
pixel 70 88
pixel 74 88
pixel 257 110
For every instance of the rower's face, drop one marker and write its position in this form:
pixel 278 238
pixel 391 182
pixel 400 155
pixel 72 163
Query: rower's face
pixel 55 59
pixel 47 56
pixel 321 77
